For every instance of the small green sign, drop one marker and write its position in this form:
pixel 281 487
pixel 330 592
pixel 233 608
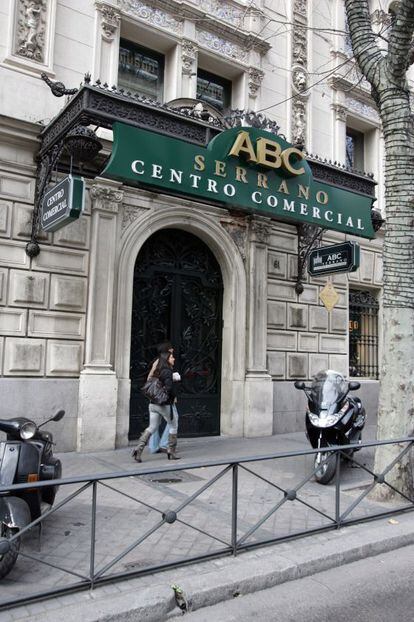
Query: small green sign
pixel 63 203
pixel 242 168
pixel 335 258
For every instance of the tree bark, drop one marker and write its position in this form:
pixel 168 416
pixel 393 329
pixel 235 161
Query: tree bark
pixel 386 72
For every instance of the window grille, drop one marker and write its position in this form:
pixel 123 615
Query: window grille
pixel 363 334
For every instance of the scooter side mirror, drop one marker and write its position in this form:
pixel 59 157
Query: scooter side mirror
pixel 59 415
pixel 354 386
pixel 299 384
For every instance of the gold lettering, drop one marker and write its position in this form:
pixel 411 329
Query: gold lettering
pixel 199 163
pixel 262 180
pixel 268 153
pixel 322 197
pixel 303 191
pixel 287 165
pixel 241 174
pixel 244 145
pixel 220 169
pixel 283 187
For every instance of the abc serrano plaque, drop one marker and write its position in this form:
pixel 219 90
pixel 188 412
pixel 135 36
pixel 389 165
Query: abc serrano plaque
pixel 244 168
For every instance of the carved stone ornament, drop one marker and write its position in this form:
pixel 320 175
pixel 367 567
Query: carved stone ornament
pixel 300 81
pixel 300 46
pixel 259 231
pixel 130 215
pixel 221 46
pixel 255 80
pixel 299 123
pixel 222 10
pixel 31 29
pixel 110 19
pixel 237 228
pixel 365 110
pixel 106 199
pixel 340 112
pixel 300 7
pixel 189 56
pixel 152 15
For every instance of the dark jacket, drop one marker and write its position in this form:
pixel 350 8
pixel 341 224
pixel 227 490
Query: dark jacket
pixel 166 377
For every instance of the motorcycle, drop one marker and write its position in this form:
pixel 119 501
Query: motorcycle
pixel 332 418
pixel 26 456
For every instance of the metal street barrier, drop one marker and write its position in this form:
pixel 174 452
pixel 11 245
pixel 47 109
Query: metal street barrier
pixel 114 526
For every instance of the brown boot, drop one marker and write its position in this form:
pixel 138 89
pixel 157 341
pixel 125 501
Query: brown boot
pixel 172 447
pixel 143 440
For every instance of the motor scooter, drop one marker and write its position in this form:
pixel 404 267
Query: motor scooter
pixel 26 456
pixel 332 418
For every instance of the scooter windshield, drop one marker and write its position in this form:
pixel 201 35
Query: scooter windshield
pixel 327 389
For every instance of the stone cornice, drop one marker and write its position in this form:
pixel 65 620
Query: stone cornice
pixel 340 83
pixel 18 131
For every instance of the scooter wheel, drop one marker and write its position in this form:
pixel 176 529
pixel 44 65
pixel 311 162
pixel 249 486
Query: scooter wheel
pixel 8 560
pixel 326 464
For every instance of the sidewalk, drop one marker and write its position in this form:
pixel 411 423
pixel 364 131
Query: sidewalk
pixel 66 539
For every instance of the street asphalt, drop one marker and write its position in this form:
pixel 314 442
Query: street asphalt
pixel 130 507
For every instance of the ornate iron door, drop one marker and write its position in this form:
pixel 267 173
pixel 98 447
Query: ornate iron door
pixel 178 297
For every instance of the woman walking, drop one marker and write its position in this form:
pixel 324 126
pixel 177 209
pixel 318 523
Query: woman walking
pixel 157 444
pixel 164 372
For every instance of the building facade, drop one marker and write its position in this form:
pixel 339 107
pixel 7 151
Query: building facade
pixel 80 319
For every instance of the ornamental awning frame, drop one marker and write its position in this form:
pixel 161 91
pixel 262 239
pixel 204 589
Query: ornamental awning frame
pixel 101 106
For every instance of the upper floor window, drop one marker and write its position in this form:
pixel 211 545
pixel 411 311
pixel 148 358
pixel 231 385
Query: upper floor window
pixel 140 70
pixel 213 89
pixel 354 149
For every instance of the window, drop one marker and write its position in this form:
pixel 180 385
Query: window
pixel 213 90
pixel 363 334
pixel 140 70
pixel 354 149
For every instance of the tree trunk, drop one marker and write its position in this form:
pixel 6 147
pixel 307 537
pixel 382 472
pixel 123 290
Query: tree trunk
pixel 386 72
pixel 396 400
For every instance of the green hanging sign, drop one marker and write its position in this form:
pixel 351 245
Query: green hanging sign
pixel 241 168
pixel 63 203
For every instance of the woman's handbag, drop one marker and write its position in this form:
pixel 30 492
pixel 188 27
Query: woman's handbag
pixel 155 391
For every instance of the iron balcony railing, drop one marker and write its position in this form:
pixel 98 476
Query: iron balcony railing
pixel 228 506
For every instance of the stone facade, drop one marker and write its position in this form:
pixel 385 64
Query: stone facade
pixel 65 315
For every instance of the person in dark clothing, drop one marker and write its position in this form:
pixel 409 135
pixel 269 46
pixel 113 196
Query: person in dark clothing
pixel 157 444
pixel 163 371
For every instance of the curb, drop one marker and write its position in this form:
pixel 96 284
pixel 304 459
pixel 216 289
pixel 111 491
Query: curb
pixel 212 582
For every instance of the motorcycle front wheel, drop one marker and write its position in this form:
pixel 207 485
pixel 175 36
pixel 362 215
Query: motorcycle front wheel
pixel 8 560
pixel 326 464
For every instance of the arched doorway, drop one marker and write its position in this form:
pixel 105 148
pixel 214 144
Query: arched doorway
pixel 177 296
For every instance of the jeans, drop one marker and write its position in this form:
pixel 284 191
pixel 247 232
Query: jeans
pixel 155 442
pixel 157 411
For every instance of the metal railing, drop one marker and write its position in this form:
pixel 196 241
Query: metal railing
pixel 245 524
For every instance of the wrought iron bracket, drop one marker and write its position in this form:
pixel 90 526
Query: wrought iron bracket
pixel 47 162
pixel 309 237
pixel 58 88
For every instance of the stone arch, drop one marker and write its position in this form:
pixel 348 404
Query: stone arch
pixel 210 231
